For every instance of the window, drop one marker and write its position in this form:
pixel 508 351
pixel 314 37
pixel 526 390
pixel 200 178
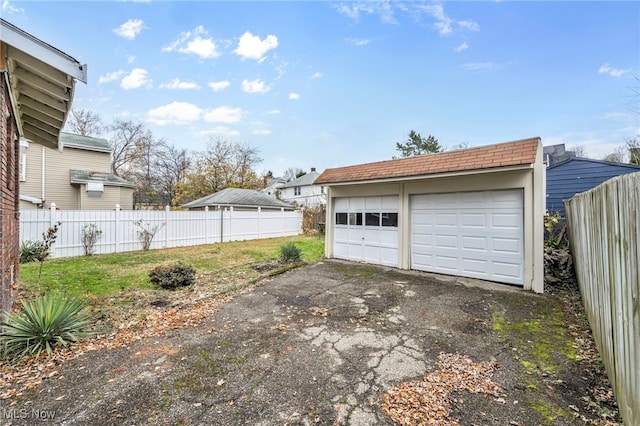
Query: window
pixel 372 219
pixel 322 189
pixel 296 190
pixel 355 218
pixel 390 219
pixel 341 218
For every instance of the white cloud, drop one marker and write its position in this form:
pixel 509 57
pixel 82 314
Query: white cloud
pixel 463 46
pixel 224 114
pixel 444 24
pixel 10 8
pixel 294 96
pixel 469 25
pixel 357 41
pixel 255 86
pixel 481 66
pixel 217 86
pixel 111 76
pixel 261 132
pixel 317 75
pixel 174 113
pixel 274 112
pixel 613 72
pixel 194 42
pixel 355 10
pixel 251 47
pixel 130 59
pixel 176 83
pixel 130 29
pixel 138 77
pixel 221 131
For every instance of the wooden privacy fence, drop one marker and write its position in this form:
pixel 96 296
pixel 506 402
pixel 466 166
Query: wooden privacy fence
pixel 174 228
pixel 604 229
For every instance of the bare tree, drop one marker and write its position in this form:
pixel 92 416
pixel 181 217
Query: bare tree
pixel 617 156
pixel 85 122
pixel 579 151
pixel 293 173
pixel 128 141
pixel 171 166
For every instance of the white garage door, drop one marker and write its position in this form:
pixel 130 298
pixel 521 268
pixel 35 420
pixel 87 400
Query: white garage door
pixel 366 229
pixel 471 234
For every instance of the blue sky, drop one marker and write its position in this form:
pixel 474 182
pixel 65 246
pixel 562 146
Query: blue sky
pixel 327 84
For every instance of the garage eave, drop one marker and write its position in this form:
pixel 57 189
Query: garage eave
pixel 433 176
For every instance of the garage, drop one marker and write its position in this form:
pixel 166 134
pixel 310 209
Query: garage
pixel 475 212
pixel 471 234
pixel 366 229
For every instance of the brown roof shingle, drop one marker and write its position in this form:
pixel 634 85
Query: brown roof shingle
pixel 514 153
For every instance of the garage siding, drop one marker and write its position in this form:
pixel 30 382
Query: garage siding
pixel 472 234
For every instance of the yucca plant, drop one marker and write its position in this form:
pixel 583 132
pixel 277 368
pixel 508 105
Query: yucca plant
pixel 44 323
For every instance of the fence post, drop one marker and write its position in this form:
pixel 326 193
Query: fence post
pixel 52 222
pixel 282 222
pixel 167 209
pixel 230 223
pixel 206 228
pixel 117 233
pixel 259 223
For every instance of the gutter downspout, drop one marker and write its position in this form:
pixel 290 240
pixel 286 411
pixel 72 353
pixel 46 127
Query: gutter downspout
pixel 42 194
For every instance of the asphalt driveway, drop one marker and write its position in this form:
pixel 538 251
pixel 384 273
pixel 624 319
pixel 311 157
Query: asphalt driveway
pixel 321 344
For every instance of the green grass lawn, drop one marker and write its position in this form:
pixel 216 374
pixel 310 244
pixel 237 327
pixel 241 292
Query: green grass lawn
pixel 106 275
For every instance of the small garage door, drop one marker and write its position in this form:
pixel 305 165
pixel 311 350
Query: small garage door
pixel 366 229
pixel 471 234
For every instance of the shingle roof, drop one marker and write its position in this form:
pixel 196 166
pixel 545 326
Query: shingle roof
pixel 514 153
pixel 84 142
pixel 238 197
pixel 304 180
pixel 83 176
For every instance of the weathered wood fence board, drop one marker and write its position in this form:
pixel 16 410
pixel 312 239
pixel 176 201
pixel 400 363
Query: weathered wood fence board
pixel 604 230
pixel 175 228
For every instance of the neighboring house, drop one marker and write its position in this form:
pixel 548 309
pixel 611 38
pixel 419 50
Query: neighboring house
pixel 272 186
pixel 36 92
pixel 575 175
pixel 76 176
pixel 554 154
pixel 474 213
pixel 303 191
pixel 239 199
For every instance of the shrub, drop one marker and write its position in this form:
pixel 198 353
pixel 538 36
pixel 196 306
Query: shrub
pixel 146 232
pixel 42 324
pixel 289 252
pixel 172 276
pixel 30 251
pixel 89 236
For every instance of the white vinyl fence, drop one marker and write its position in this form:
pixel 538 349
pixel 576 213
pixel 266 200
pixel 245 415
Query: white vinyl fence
pixel 175 228
pixel 604 230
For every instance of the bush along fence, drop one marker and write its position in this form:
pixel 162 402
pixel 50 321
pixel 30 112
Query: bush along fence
pixel 604 230
pixel 129 230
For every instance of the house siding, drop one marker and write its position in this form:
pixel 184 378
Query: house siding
pixel 9 215
pixel 57 186
pixel 578 175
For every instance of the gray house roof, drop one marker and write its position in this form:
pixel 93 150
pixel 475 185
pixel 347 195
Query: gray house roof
pixel 304 180
pixel 237 197
pixel 109 179
pixel 84 142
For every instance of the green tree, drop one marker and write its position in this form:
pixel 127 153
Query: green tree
pixel 417 145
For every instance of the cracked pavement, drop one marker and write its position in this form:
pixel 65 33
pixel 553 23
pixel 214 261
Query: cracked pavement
pixel 316 345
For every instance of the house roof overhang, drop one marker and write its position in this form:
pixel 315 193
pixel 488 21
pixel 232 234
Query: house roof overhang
pixel 41 81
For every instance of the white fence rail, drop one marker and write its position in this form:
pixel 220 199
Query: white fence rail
pixel 604 227
pixel 175 228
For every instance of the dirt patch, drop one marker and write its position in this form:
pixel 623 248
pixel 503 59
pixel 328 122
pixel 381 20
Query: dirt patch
pixel 322 344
